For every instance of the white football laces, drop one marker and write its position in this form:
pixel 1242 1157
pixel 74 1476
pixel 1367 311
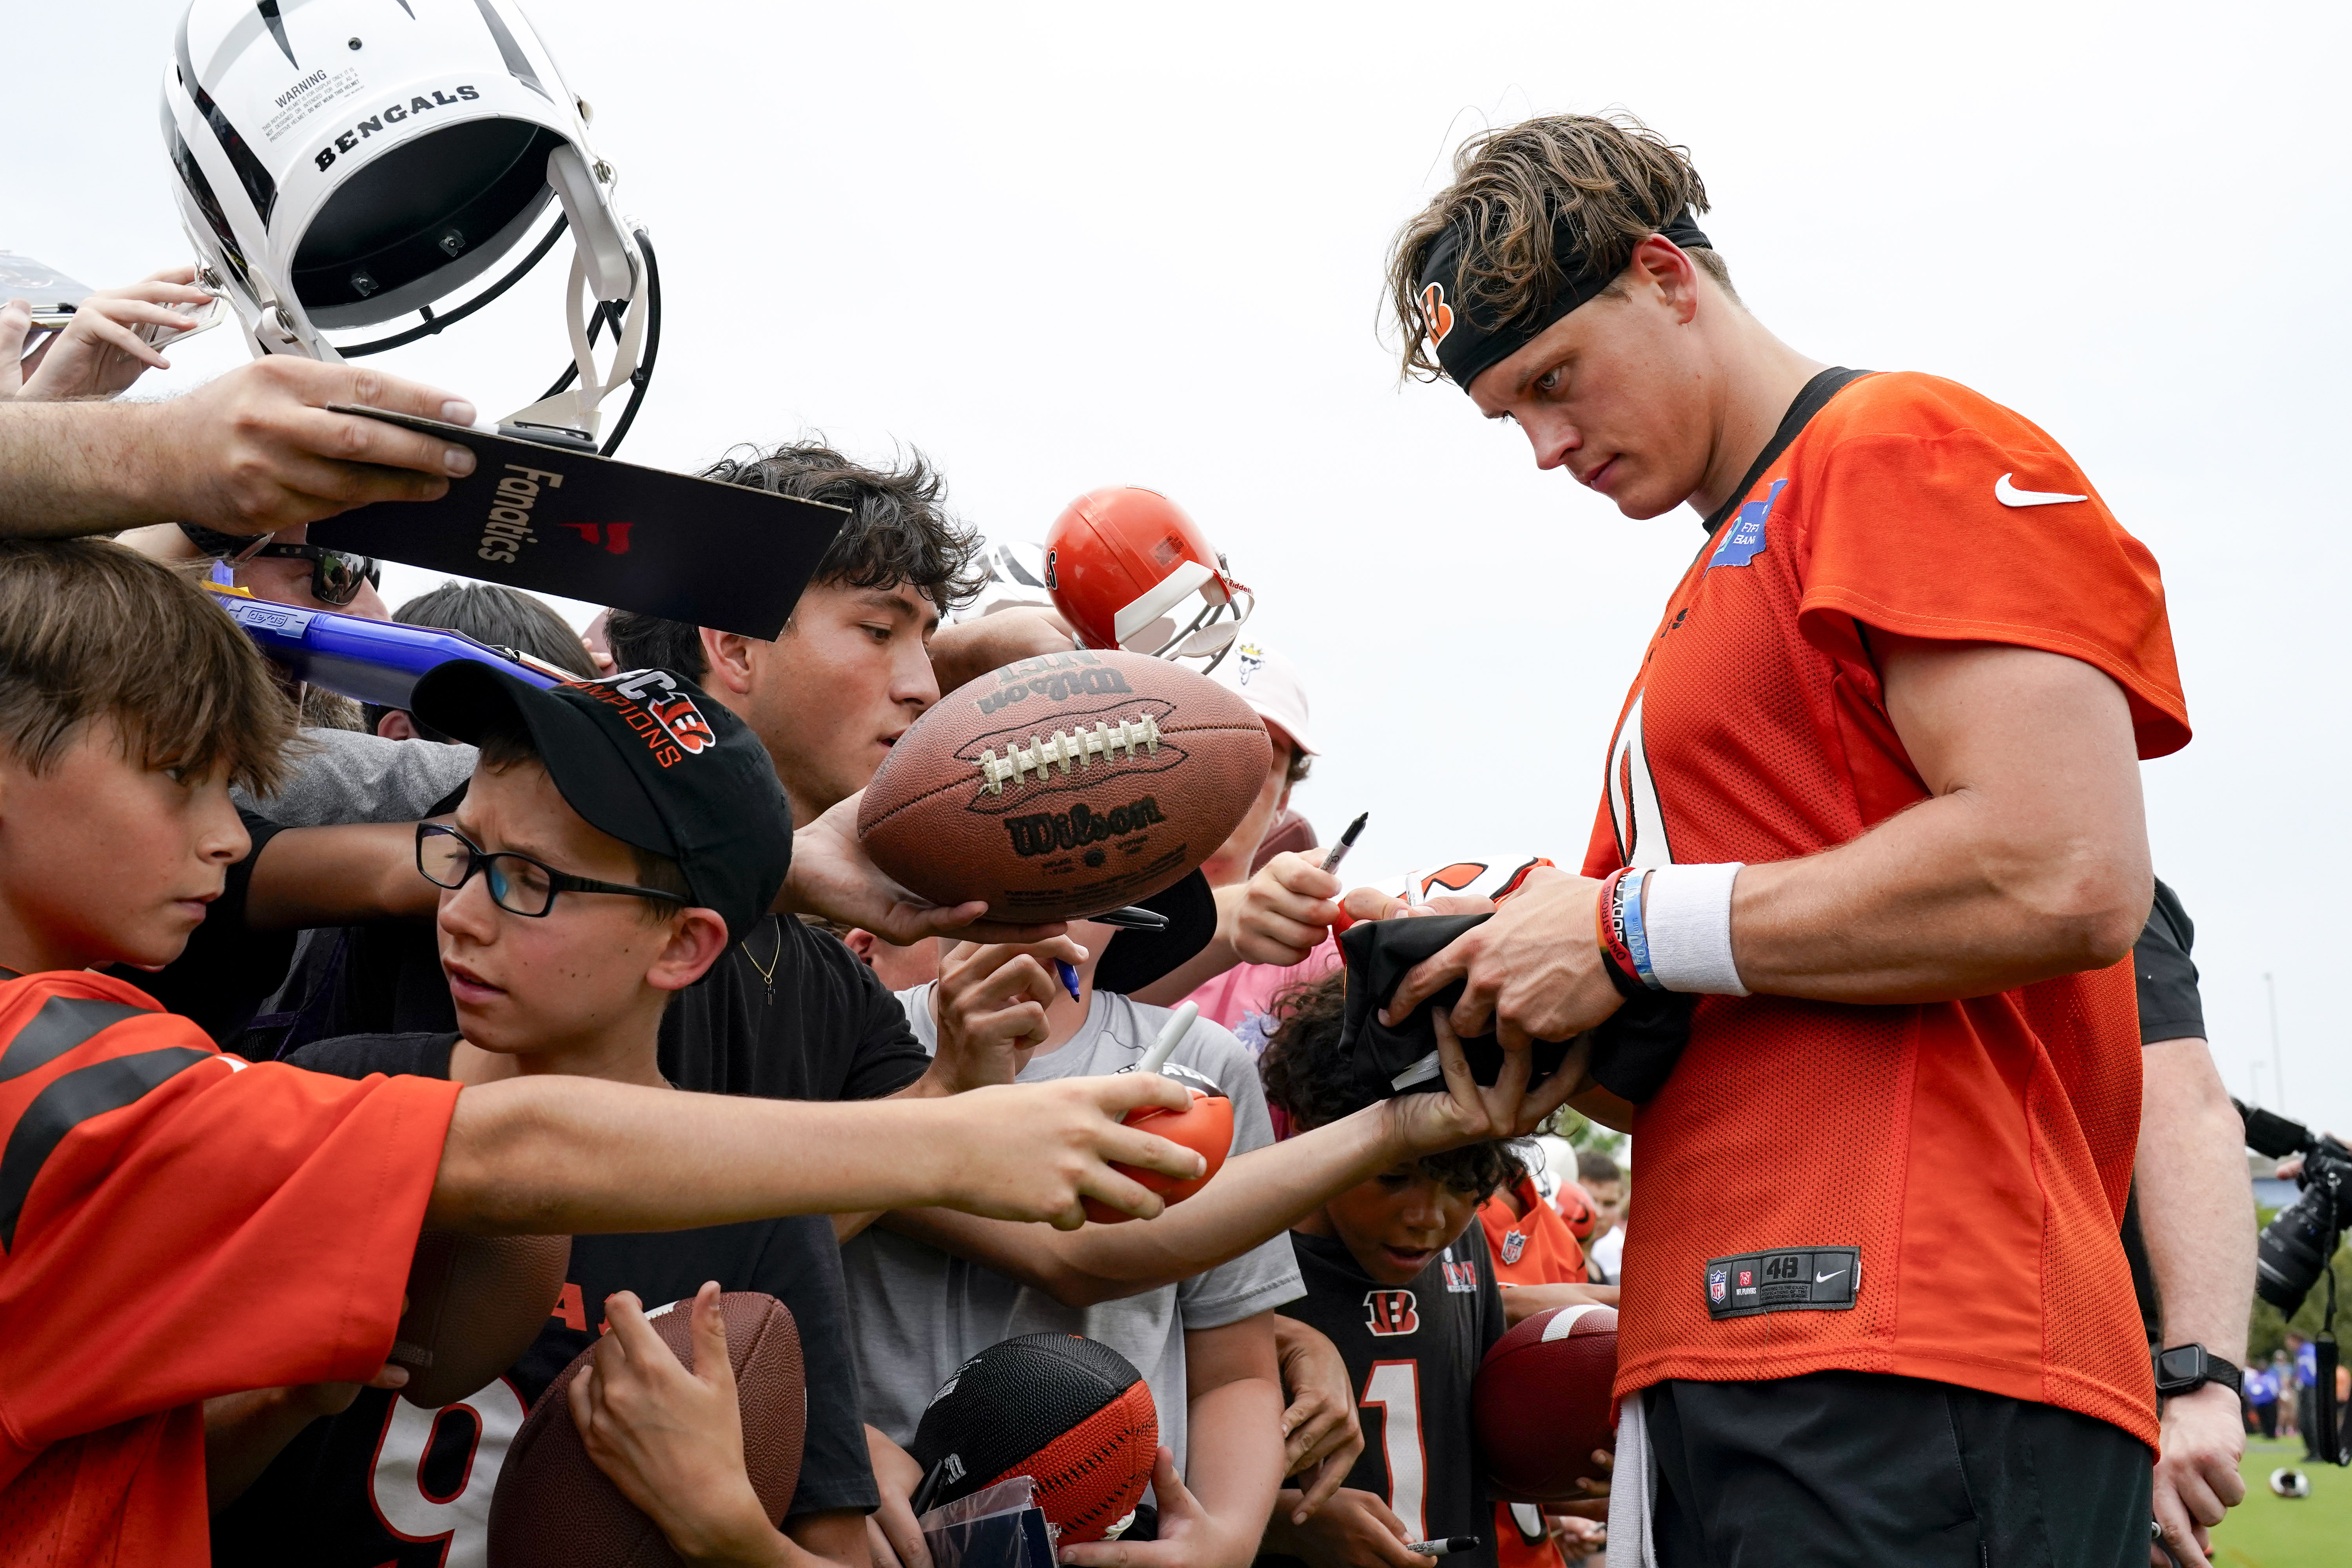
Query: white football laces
pixel 1068 751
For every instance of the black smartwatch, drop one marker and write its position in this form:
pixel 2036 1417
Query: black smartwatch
pixel 2184 1369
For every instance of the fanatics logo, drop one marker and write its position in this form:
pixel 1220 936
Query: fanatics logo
pixel 1718 1284
pixel 1514 1244
pixel 1388 1312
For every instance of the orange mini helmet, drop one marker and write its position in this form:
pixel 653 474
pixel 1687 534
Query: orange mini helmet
pixel 1122 562
pixel 1575 1206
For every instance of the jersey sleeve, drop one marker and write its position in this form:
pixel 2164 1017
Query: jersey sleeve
pixel 888 1057
pixel 177 1224
pixel 1934 512
pixel 2170 1005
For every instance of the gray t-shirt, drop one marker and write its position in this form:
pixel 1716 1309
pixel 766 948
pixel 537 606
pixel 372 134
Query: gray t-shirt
pixel 917 1314
pixel 342 775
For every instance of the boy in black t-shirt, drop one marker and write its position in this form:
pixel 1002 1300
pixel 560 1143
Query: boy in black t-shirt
pixel 1398 1279
pixel 573 909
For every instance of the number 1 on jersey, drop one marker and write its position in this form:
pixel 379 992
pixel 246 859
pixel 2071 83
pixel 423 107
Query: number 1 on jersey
pixel 1393 1388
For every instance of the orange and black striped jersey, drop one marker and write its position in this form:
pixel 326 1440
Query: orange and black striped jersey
pixel 176 1223
pixel 1945 1178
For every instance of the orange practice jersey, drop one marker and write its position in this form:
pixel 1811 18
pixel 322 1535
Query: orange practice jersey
pixel 1533 1248
pixel 1967 1160
pixel 175 1223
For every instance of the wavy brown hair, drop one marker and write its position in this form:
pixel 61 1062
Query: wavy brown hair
pixel 1610 180
pixel 90 630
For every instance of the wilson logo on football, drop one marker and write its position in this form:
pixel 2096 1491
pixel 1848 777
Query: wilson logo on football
pixel 1436 315
pixel 1390 1312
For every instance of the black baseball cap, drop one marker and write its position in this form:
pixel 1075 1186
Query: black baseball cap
pixel 1132 960
pixel 648 758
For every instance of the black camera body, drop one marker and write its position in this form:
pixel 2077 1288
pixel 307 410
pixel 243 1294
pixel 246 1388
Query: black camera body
pixel 2295 1247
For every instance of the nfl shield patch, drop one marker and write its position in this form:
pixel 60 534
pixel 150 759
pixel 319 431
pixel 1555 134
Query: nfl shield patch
pixel 1514 1244
pixel 1718 1284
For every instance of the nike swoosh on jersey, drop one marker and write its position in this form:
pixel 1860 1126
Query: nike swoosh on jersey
pixel 2010 495
pixel 1825 1278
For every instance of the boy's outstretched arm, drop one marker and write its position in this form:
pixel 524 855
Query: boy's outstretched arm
pixel 557 1155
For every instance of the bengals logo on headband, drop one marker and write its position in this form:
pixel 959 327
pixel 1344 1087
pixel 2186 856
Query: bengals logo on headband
pixel 1436 315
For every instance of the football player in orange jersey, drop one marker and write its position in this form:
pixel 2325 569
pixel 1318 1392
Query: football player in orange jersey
pixel 1875 796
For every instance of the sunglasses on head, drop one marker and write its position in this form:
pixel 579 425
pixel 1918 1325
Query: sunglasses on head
pixel 336 575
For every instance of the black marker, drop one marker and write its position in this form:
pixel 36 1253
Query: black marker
pixel 1449 1544
pixel 1331 863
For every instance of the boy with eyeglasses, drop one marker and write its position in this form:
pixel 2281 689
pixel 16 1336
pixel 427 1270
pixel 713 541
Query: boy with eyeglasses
pixel 160 1199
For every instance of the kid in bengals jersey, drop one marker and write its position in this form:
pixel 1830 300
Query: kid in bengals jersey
pixel 1399 1278
pixel 1874 796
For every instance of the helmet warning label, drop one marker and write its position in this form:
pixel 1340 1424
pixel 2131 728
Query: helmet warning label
pixel 307 96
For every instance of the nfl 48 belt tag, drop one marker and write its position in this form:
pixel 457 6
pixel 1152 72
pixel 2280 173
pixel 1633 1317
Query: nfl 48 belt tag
pixel 1796 1279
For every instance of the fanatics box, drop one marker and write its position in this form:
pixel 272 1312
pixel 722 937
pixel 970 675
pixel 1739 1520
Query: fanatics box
pixel 551 520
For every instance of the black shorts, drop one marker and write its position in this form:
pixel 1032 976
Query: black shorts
pixel 1854 1468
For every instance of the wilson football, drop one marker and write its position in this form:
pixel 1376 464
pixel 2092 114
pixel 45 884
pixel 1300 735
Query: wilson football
pixel 1542 1402
pixel 475 1304
pixel 1071 1413
pixel 1064 786
pixel 554 1509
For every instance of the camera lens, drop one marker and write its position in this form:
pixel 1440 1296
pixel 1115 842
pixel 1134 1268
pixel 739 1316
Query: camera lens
pixel 2287 1255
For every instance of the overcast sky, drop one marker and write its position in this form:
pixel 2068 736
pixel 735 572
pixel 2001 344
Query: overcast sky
pixel 1060 246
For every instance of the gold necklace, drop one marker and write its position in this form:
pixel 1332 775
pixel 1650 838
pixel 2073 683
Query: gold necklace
pixel 768 974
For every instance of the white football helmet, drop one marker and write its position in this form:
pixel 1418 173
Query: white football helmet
pixel 344 163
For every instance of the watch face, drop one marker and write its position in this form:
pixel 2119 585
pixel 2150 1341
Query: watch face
pixel 2181 1366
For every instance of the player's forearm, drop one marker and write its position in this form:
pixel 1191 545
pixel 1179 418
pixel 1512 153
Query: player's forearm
pixel 1257 1197
pixel 1521 1302
pixel 339 876
pixel 68 469
pixel 554 1155
pixel 1234 1453
pixel 2196 1203
pixel 1206 965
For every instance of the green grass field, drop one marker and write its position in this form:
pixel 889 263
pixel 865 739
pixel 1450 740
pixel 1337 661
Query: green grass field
pixel 2271 1532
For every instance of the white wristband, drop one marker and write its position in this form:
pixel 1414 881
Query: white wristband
pixel 1686 915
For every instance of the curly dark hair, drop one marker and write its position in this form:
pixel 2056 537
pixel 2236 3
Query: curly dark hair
pixel 899 530
pixel 1305 1074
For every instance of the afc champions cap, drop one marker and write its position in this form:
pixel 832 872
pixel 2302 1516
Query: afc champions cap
pixel 1468 340
pixel 648 758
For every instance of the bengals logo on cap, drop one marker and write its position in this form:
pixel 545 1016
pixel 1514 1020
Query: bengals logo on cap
pixel 673 726
pixel 1436 315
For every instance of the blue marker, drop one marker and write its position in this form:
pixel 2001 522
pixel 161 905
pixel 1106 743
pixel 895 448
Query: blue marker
pixel 1069 976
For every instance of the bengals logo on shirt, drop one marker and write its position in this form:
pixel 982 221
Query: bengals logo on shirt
pixel 1392 1312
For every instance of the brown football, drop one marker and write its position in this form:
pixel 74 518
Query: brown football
pixel 475 1304
pixel 554 1509
pixel 1064 786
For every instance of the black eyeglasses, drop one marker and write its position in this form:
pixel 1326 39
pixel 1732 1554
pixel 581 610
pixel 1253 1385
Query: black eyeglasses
pixel 519 884
pixel 335 574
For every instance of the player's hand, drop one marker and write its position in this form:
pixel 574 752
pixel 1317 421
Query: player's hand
pixel 1371 904
pixel 892 1535
pixel 1354 1529
pixel 969 649
pixel 1592 1500
pixel 1320 1433
pixel 1579 1538
pixel 1470 1112
pixel 671 1439
pixel 1532 972
pixel 834 877
pixel 256 451
pixel 2197 1478
pixel 15 326
pixel 98 355
pixel 1188 1537
pixel 992 1002
pixel 1036 1151
pixel 1521 1302
pixel 1287 909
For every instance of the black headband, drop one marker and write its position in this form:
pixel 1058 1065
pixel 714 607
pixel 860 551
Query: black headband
pixel 1466 345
